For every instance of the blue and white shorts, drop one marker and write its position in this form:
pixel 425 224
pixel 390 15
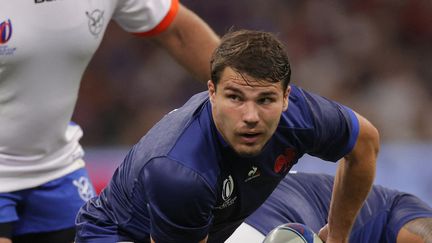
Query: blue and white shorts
pixel 50 207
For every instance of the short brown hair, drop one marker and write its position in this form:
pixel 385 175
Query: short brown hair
pixel 255 53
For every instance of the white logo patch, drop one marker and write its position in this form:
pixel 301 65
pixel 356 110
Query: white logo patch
pixel 227 191
pixel 85 190
pixel 227 188
pixel 253 173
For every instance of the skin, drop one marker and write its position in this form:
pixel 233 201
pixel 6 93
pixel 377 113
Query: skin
pixel 353 181
pixel 246 113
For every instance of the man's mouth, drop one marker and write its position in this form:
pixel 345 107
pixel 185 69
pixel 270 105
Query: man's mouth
pixel 249 138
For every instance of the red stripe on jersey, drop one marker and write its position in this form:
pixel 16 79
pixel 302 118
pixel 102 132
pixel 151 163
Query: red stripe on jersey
pixel 166 21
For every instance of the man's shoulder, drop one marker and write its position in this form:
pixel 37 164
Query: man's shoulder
pixel 164 135
pixel 184 136
pixel 298 115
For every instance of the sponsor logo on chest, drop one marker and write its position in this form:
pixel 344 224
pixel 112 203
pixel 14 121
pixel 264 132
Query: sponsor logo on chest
pixel 252 174
pixel 227 193
pixel 6 31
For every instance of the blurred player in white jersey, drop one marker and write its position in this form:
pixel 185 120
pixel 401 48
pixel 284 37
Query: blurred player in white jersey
pixel 45 47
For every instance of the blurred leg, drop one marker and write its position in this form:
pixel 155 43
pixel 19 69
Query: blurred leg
pixel 5 232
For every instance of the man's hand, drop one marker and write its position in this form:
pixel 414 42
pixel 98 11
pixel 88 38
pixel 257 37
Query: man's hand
pixel 323 234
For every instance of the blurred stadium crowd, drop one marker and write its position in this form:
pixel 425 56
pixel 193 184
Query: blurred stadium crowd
pixel 372 55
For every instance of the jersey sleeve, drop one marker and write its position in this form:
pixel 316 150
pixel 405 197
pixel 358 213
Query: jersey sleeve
pixel 145 17
pixel 335 127
pixel 180 202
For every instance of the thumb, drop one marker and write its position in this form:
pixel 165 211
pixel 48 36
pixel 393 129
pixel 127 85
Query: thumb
pixel 323 233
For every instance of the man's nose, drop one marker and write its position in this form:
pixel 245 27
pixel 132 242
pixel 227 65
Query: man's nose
pixel 250 114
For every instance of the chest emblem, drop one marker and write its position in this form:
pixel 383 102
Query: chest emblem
pixel 285 161
pixel 95 21
pixel 227 192
pixel 5 36
pixel 253 173
pixel 5 31
pixel 84 187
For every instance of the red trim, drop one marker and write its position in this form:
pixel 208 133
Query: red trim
pixel 166 21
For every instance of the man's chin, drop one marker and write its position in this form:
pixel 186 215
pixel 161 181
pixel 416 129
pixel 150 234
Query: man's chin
pixel 248 152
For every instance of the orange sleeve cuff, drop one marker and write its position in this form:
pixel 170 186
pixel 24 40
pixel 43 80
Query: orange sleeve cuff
pixel 165 23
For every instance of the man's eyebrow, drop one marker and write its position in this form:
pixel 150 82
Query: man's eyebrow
pixel 232 88
pixel 268 93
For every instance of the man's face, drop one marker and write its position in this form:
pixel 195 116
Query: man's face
pixel 247 113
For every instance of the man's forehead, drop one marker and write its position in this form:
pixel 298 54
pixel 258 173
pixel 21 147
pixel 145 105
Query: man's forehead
pixel 233 78
pixel 239 83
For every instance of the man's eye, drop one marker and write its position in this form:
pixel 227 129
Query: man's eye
pixel 265 101
pixel 234 97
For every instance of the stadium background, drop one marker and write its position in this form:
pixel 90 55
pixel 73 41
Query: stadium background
pixel 372 55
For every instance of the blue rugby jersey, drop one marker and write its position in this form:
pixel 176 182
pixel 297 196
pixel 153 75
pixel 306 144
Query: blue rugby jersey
pixel 182 181
pixel 305 198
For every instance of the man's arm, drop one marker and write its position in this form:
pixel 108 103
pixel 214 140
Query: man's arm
pixel 190 41
pixel 353 181
pixel 189 219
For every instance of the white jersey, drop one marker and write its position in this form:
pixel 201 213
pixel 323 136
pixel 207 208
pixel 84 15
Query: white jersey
pixel 246 233
pixel 45 46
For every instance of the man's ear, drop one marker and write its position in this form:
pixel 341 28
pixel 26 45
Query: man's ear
pixel 212 90
pixel 286 98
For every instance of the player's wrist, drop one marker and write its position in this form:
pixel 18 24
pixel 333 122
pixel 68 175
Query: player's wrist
pixel 337 236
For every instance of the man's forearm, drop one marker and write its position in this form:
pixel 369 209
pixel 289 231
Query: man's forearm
pixel 350 190
pixel 353 181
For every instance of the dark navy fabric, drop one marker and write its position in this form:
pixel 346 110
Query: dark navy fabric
pixel 305 198
pixel 182 182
